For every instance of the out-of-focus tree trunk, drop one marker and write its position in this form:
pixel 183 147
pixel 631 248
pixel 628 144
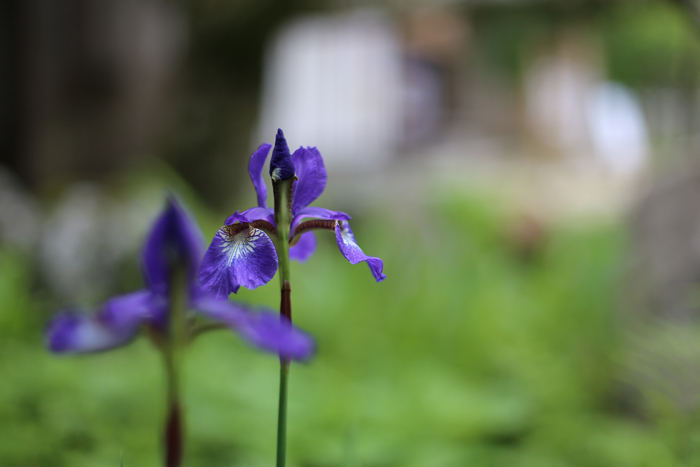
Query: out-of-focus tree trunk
pixel 86 84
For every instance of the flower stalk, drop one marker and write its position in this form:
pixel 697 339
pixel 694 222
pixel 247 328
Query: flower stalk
pixel 169 309
pixel 174 440
pixel 254 244
pixel 283 202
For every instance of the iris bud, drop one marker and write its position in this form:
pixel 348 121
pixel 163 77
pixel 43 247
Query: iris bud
pixel 281 165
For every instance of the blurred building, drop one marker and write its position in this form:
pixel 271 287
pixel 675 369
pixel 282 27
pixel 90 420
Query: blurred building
pixel 335 82
pixel 363 85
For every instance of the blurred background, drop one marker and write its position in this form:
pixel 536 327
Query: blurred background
pixel 527 170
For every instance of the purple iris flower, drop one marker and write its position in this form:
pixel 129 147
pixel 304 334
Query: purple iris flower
pixel 171 256
pixel 243 251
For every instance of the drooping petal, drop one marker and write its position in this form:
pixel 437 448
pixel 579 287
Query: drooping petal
pixel 130 310
pixel 251 215
pixel 224 311
pixel 174 241
pixel 255 167
pixel 318 213
pixel 281 164
pixel 312 175
pixel 275 333
pixel 74 332
pixel 237 258
pixel 306 247
pixel 353 253
pixel 266 330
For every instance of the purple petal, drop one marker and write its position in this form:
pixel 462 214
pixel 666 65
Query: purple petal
pixel 247 258
pixel 353 253
pixel 252 214
pixel 318 213
pixel 312 175
pixel 73 332
pixel 265 330
pixel 223 311
pixel 274 333
pixel 130 310
pixel 174 241
pixel 303 250
pixel 255 167
pixel 281 164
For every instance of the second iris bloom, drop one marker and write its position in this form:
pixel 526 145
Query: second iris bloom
pixel 243 252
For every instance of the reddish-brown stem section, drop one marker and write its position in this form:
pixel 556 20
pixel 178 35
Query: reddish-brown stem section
pixel 286 304
pixel 173 437
pixel 286 311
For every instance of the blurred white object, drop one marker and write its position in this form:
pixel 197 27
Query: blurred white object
pixel 618 130
pixel 84 238
pixel 573 110
pixel 556 92
pixel 335 82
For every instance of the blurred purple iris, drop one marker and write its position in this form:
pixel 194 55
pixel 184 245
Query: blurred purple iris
pixel 242 252
pixel 171 256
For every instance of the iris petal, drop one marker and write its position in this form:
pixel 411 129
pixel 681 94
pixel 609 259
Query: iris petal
pixel 223 311
pixel 251 215
pixel 306 247
pixel 275 333
pixel 262 329
pixel 128 311
pixel 318 213
pixel 175 239
pixel 73 332
pixel 244 258
pixel 255 167
pixel 312 175
pixel 353 253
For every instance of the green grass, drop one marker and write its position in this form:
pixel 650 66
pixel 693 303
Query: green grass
pixel 467 355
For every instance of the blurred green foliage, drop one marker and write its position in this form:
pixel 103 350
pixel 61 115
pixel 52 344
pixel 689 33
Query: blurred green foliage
pixel 651 46
pixel 644 43
pixel 468 354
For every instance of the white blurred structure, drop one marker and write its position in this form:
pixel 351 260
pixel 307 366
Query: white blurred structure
pixel 556 90
pixel 87 234
pixel 573 110
pixel 335 82
pixel 618 129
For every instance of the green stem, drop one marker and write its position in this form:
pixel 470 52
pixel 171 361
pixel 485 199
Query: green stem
pixel 282 192
pixel 282 415
pixel 283 219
